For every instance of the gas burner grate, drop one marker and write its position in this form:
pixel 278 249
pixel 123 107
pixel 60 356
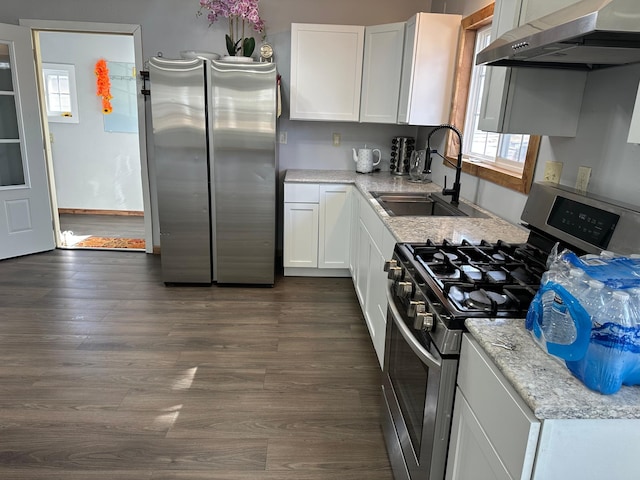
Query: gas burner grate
pixel 485 279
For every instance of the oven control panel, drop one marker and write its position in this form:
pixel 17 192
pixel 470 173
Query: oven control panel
pixel 588 222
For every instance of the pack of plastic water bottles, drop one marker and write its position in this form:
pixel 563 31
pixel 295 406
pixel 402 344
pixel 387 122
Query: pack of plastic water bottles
pixel 587 313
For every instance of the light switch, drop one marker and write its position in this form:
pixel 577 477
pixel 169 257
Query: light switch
pixel 336 139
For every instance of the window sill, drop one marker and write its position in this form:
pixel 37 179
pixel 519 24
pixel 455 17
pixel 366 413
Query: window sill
pixel 520 182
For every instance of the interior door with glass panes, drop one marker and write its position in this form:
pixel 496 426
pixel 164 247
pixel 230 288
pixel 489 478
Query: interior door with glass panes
pixel 25 209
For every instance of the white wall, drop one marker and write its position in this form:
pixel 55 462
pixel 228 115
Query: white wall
pixel 93 169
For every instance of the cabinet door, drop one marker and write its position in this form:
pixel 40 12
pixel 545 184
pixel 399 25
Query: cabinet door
pixel 362 263
pixel 376 301
pixel 335 226
pixel 381 73
pixel 428 66
pixel 536 101
pixel 471 454
pixel 300 243
pixel 407 69
pixel 506 420
pixel 353 254
pixel 326 72
pixel 506 16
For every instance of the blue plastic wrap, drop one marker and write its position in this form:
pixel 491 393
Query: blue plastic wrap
pixel 601 348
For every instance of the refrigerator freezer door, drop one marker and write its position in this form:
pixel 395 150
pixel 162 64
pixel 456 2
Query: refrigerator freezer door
pixel 243 123
pixel 178 107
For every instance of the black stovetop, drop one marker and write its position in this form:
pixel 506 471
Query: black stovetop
pixel 477 280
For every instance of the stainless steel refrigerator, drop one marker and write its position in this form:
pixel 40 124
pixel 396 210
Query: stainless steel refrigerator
pixel 214 133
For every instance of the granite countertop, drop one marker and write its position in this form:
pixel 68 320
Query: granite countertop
pixel 416 229
pixel 544 383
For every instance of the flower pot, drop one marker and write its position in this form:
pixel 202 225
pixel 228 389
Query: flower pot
pixel 236 59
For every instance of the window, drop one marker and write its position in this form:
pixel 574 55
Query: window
pixel 60 92
pixel 506 159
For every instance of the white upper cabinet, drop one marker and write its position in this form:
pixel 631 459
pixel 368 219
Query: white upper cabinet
pixel 381 73
pixel 428 68
pixel 537 101
pixel 326 72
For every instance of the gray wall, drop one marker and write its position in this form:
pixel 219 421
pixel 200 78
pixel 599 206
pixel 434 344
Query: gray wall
pixel 94 169
pixel 601 141
pixel 171 26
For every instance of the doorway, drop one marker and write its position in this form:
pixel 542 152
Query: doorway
pixel 97 163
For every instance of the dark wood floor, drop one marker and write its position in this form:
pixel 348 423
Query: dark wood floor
pixel 105 373
pixel 103 225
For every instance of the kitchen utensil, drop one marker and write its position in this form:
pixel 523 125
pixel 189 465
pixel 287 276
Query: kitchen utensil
pixel 364 159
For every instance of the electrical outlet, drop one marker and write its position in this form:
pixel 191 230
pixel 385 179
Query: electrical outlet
pixel 283 137
pixel 336 139
pixel 582 182
pixel 552 172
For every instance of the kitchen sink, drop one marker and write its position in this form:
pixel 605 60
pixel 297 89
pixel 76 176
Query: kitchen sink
pixel 403 204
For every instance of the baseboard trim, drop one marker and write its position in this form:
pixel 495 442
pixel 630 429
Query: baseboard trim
pixel 316 272
pixel 89 211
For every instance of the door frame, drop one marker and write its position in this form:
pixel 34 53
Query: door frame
pixel 105 28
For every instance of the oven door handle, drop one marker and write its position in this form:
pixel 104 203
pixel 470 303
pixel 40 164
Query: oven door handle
pixel 424 356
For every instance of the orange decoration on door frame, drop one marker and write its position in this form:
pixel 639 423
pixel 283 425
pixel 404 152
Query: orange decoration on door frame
pixel 103 85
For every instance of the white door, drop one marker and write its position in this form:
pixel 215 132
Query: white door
pixel 25 211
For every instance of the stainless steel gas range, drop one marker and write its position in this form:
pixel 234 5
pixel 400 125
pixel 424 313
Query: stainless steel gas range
pixel 434 287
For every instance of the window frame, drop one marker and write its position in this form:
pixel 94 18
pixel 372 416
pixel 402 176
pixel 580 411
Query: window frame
pixel 491 172
pixel 71 73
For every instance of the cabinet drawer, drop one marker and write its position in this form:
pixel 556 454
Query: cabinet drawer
pixel 507 420
pixel 301 193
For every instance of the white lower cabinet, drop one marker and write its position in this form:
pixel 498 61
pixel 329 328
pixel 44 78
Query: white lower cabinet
pixel 495 435
pixel 353 248
pixel 480 459
pixel 301 235
pixel 334 236
pixel 374 246
pixel 317 234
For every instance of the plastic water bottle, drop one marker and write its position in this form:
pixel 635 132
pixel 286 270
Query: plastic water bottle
pixel 634 304
pixel 576 284
pixel 557 324
pixel 592 299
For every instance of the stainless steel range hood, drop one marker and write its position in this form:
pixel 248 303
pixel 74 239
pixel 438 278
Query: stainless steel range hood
pixel 587 35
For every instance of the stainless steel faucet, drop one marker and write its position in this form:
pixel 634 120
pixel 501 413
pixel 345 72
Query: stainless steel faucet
pixel 455 191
